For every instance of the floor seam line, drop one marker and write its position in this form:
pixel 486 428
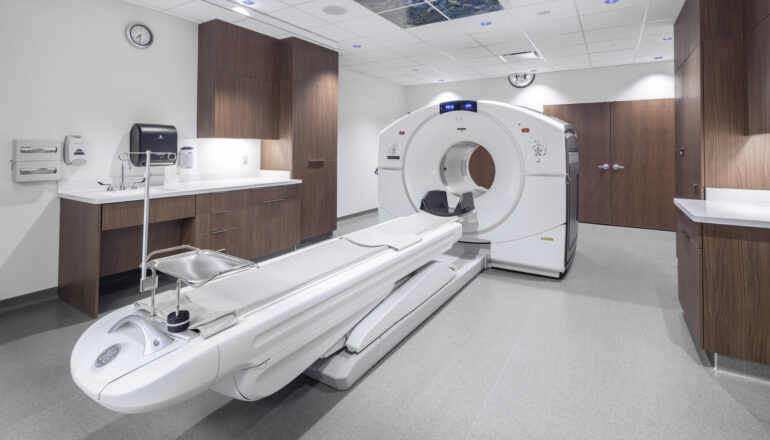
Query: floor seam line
pixel 505 365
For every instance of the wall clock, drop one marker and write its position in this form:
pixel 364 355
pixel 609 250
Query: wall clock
pixel 139 35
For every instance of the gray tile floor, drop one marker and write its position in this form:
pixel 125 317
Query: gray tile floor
pixel 603 353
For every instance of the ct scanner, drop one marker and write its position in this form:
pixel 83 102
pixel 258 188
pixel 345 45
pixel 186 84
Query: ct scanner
pixel 332 310
pixel 527 220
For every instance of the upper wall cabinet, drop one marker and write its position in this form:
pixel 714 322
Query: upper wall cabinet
pixel 238 91
pixel 757 53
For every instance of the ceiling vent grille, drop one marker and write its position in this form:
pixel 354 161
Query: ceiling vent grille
pixel 518 57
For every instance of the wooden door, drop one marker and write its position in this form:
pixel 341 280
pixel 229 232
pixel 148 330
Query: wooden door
pixel 689 129
pixel 592 124
pixel 318 196
pixel 641 165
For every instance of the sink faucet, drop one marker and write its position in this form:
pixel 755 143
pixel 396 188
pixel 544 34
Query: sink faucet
pixel 124 159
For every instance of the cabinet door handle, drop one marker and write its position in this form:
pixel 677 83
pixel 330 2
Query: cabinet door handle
pixel 681 152
pixel 685 234
pixel 219 212
pixel 219 232
pixel 617 167
pixel 273 201
pixel 605 166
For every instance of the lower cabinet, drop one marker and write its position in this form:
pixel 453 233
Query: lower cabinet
pixel 689 256
pixel 318 195
pixel 268 221
pixel 723 286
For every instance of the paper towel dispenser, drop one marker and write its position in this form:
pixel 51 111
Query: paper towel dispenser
pixel 156 138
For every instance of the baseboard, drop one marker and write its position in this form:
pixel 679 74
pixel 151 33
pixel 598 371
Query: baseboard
pixel 357 214
pixel 28 299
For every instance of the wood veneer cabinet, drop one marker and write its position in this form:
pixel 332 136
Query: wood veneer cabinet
pixel 757 55
pixel 100 240
pixel 238 90
pixel 308 131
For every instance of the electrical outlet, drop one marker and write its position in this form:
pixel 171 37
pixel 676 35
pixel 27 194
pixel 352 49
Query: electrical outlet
pixel 245 160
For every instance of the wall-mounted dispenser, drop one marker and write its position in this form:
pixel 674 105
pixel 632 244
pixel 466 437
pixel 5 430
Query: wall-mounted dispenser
pixel 35 160
pixel 75 150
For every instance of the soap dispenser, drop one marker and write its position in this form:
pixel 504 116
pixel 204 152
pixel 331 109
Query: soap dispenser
pixel 75 150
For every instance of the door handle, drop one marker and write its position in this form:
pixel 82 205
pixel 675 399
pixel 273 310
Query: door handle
pixel 605 167
pixel 617 167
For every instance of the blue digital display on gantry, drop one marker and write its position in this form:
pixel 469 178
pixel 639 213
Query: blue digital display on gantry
pixel 468 106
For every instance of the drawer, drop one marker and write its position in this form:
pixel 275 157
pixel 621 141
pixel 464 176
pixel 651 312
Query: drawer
pixel 217 240
pixel 127 214
pixel 215 202
pixel 689 230
pixel 214 221
pixel 276 193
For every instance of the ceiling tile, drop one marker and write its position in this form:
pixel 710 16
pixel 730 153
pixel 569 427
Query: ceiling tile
pixel 199 11
pixel 267 6
pixel 512 47
pixel 458 42
pixel 485 61
pixel 395 38
pixel 611 19
pixel 596 6
pixel 413 49
pixel 435 30
pixel 613 33
pixel 298 17
pixel 604 46
pixel 294 2
pixel 551 28
pixel 433 58
pixel 563 51
pixel 493 21
pixel 664 9
pixel 659 27
pixel 384 73
pixel 500 36
pixel 333 32
pixel 368 25
pixel 542 12
pixel 563 67
pixel 473 52
pixel 332 10
pixel 661 41
pixel 559 40
pixel 262 28
pixel 378 54
pixel 397 62
pixel 615 62
pixel 365 44
pixel 568 60
pixel 612 55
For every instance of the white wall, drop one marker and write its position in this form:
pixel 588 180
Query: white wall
pixel 366 106
pixel 68 69
pixel 617 83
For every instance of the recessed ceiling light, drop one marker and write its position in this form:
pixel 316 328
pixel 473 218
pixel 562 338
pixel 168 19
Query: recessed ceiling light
pixel 486 23
pixel 546 12
pixel 533 70
pixel 357 46
pixel 668 38
pixel 441 80
pixel 247 2
pixel 241 11
pixel 658 58
pixel 415 69
pixel 609 2
pixel 334 10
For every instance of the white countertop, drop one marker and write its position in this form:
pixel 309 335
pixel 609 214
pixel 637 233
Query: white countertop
pixel 754 214
pixel 99 196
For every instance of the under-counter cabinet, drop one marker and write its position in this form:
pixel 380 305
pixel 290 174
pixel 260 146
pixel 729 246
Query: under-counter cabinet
pixel 96 240
pixel 724 286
